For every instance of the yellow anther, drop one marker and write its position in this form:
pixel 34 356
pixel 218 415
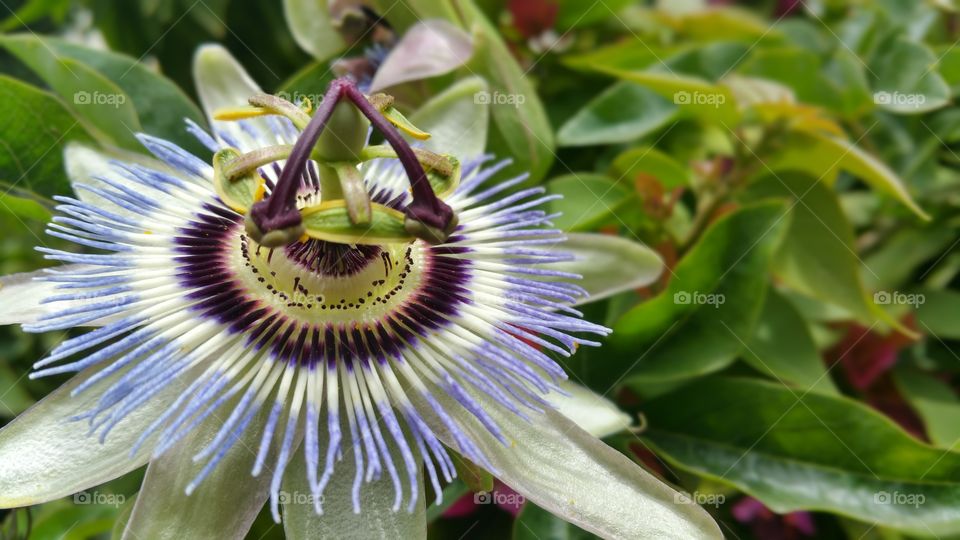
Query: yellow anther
pixel 240 113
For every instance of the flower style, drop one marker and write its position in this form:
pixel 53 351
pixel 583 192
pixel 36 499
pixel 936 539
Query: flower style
pixel 257 338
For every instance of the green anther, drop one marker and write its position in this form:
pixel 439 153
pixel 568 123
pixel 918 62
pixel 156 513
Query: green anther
pixel 240 191
pixel 255 159
pixel 427 233
pixel 331 221
pixel 282 107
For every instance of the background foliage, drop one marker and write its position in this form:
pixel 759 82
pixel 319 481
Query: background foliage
pixel 795 164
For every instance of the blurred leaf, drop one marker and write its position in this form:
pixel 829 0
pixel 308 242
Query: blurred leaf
pixel 906 80
pixel 627 55
pixel 938 314
pixel 24 208
pixel 535 523
pixel 796 451
pixel 579 13
pixel 798 69
pixel 522 129
pixel 712 61
pixel 312 27
pixel 457 123
pixel 894 262
pixel 14 398
pixel 311 81
pixel 723 23
pixel 783 348
pixel 161 106
pixel 652 162
pixel 35 10
pixel 818 257
pixel 701 322
pixel 823 154
pixel 935 402
pixel 103 107
pixel 589 200
pixel 38 126
pixel 622 113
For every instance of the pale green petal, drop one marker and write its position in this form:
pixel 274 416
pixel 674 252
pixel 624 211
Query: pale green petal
pixel 577 477
pixel 429 48
pixel 594 413
pixel 221 83
pixel 20 297
pixel 375 520
pixel 609 264
pixel 456 119
pixel 223 506
pixel 312 28
pixel 45 456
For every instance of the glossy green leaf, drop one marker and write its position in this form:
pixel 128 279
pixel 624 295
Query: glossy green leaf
pixel 652 162
pixel 937 315
pixel 101 105
pixel 457 122
pixel 906 79
pixel 589 200
pixel 38 127
pixel 623 113
pixel 818 256
pixel 782 347
pixel 522 129
pixel 161 106
pixel 701 322
pixel 936 403
pixel 797 451
pixel 312 27
pixel 608 264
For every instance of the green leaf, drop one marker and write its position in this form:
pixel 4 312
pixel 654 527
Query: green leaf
pixel 312 27
pixel 798 69
pixel 458 124
pixel 892 264
pixel 589 200
pixel 160 104
pixel 935 402
pixel 782 346
pixel 102 105
pixel 906 79
pixel 818 258
pixel 938 314
pixel 622 113
pixel 14 398
pixel 522 129
pixel 580 13
pixel 535 523
pixel 24 208
pixel 797 451
pixel 38 126
pixel 652 162
pixel 824 153
pixel 701 322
